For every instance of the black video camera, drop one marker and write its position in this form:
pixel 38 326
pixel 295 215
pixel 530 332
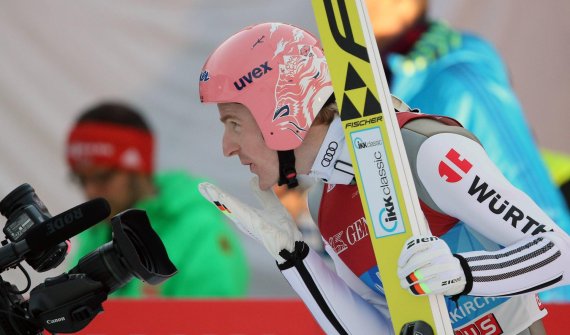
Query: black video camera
pixel 68 302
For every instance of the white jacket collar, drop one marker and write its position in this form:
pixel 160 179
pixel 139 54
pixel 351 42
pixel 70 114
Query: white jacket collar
pixel 333 164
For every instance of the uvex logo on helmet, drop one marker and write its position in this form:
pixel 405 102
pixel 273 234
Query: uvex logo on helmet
pixel 450 174
pixel 255 73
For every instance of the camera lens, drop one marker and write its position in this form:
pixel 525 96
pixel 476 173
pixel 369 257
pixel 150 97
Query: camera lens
pixel 142 252
pixel 136 250
pixel 104 265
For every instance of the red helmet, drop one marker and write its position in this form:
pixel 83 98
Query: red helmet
pixel 278 72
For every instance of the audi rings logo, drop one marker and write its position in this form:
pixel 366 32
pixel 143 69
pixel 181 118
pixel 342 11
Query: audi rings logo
pixel 328 157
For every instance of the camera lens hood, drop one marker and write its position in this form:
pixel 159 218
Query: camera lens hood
pixel 140 247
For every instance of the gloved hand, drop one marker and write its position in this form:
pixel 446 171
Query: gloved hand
pixel 427 266
pixel 271 225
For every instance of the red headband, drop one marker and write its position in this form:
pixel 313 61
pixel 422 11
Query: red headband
pixel 116 146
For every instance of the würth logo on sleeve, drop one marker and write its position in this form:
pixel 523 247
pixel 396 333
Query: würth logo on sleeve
pixel 506 209
pixel 452 173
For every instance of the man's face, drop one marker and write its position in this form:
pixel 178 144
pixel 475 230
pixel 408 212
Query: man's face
pixel 389 18
pixel 242 137
pixel 382 18
pixel 114 185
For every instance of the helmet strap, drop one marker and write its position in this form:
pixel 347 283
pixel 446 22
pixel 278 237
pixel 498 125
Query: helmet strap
pixel 287 172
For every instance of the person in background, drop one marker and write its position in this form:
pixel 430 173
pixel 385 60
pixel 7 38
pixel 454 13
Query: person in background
pixel 110 151
pixel 442 71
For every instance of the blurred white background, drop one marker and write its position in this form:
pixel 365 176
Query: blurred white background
pixel 59 56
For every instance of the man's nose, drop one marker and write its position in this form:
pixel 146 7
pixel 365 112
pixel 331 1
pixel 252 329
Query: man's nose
pixel 229 147
pixel 91 190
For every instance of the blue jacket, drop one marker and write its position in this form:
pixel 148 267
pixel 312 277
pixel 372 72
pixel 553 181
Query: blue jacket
pixel 462 76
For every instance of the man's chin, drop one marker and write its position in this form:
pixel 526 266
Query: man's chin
pixel 265 185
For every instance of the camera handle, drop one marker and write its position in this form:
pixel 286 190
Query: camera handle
pixel 67 303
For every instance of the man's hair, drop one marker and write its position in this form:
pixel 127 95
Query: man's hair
pixel 327 113
pixel 117 113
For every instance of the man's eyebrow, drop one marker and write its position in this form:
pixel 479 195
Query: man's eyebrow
pixel 224 118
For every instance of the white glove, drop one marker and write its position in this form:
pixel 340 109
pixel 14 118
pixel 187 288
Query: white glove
pixel 271 225
pixel 427 266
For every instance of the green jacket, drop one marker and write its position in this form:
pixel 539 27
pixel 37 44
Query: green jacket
pixel 207 253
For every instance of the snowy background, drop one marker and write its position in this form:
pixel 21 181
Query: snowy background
pixel 60 56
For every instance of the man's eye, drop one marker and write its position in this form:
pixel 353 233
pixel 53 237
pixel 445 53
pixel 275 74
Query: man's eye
pixel 234 124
